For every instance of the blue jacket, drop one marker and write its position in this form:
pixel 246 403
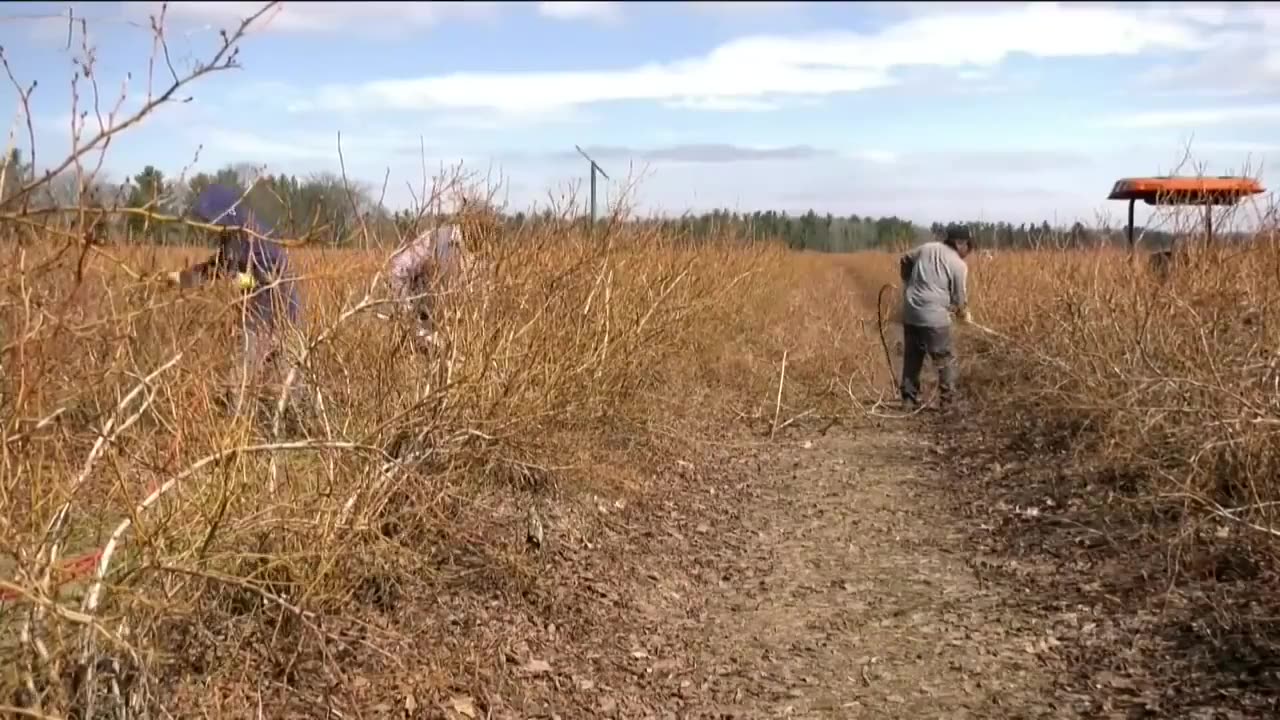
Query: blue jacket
pixel 240 252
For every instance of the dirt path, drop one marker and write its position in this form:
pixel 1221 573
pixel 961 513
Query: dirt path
pixel 817 579
pixel 857 605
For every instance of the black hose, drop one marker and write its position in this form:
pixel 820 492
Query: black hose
pixel 884 342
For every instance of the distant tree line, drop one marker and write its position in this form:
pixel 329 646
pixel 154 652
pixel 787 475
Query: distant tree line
pixel 332 210
pixel 323 203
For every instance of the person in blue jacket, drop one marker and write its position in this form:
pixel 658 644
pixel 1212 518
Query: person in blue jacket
pixel 261 269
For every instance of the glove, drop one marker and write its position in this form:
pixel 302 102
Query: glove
pixel 173 278
pixel 964 316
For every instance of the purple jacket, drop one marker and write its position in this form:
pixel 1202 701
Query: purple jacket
pixel 240 252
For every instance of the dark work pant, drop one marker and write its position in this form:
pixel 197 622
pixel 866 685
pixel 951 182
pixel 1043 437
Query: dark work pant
pixel 269 351
pixel 918 341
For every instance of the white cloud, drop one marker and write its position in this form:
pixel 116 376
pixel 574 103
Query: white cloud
pixel 1204 12
pixel 844 186
pixel 723 104
pixel 879 157
pixel 962 162
pixel 695 153
pixel 917 9
pixel 1234 146
pixel 369 145
pixel 258 148
pixel 595 11
pixel 323 17
pixel 1244 59
pixel 1194 117
pixel 758 67
pixel 483 121
pixel 744 8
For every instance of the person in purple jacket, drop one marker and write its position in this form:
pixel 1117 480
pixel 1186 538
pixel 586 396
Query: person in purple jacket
pixel 261 269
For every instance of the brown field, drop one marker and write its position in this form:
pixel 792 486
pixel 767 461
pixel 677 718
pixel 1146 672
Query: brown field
pixel 700 430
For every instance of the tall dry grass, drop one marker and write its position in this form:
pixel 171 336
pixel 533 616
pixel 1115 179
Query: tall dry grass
pixel 157 553
pixel 1176 383
pixel 813 313
pixel 144 525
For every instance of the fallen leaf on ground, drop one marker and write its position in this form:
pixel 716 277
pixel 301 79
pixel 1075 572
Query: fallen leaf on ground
pixel 536 667
pixel 463 705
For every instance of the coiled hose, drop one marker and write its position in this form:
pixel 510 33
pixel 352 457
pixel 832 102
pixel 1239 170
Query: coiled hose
pixel 884 342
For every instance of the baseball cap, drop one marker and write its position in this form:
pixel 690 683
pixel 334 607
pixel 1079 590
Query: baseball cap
pixel 958 233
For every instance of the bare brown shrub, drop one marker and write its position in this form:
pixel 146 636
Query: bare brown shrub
pixel 565 336
pixel 1176 380
pixel 155 551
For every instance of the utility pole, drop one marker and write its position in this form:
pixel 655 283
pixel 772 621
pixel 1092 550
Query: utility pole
pixel 594 169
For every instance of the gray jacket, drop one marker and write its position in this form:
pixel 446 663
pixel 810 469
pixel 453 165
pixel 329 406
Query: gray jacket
pixel 933 283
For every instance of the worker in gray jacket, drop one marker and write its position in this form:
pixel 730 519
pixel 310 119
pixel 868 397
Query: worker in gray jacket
pixel 933 285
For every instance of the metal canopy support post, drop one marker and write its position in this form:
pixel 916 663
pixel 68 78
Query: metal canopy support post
pixel 1208 224
pixel 1131 202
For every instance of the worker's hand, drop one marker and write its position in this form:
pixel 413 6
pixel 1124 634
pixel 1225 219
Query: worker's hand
pixel 964 316
pixel 173 278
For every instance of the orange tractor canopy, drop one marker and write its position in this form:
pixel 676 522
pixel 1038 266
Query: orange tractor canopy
pixel 1207 191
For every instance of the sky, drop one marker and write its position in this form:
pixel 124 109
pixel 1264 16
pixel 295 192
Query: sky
pixel 929 111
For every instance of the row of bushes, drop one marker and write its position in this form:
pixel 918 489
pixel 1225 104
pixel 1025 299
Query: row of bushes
pixel 573 345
